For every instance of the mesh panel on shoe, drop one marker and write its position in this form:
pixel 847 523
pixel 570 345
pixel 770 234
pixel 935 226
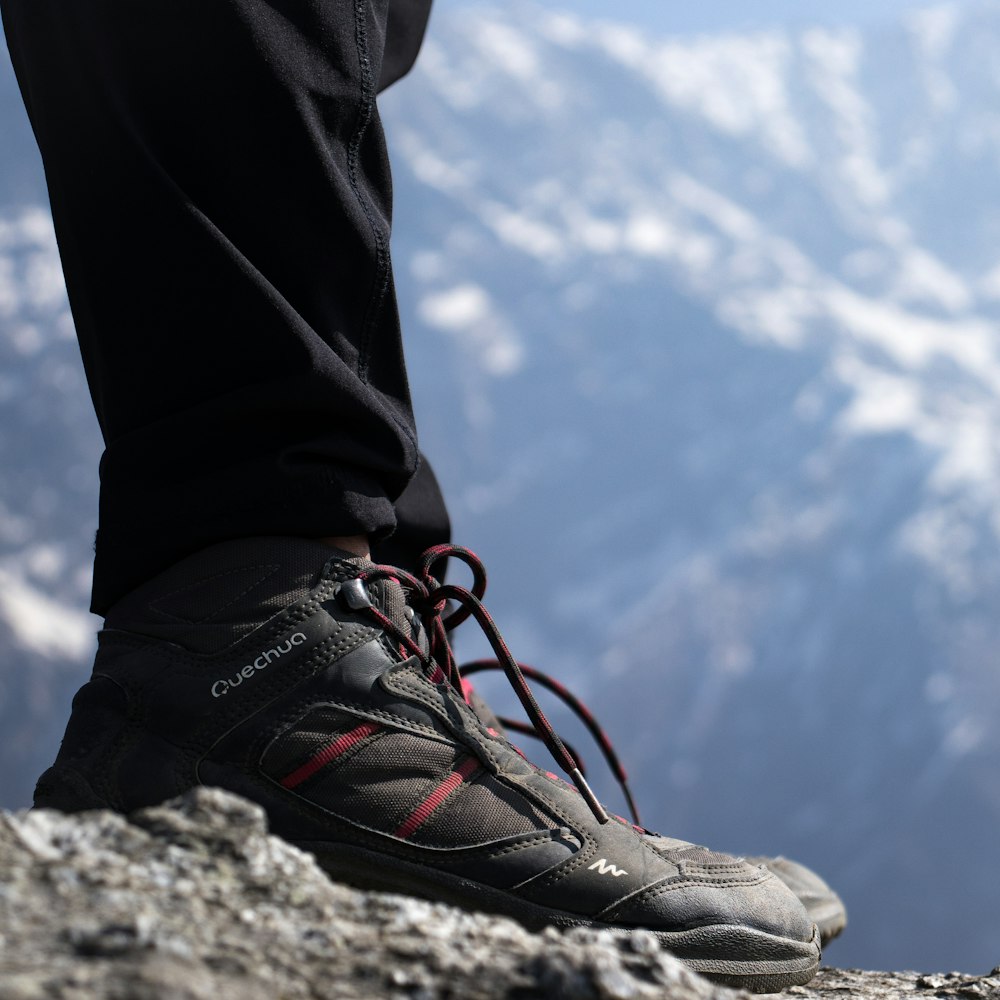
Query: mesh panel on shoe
pixel 310 734
pixel 348 568
pixel 391 601
pixel 479 811
pixel 386 594
pixel 385 780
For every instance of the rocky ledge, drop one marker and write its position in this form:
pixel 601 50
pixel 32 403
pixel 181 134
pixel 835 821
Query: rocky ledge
pixel 194 901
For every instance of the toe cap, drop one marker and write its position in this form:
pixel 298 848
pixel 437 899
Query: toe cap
pixel 713 888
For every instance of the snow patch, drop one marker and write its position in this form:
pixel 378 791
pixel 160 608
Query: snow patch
pixel 834 62
pixel 40 624
pixel 31 279
pixel 913 340
pixel 564 30
pixel 922 278
pixel 519 230
pixel 944 542
pixel 430 166
pixel 737 83
pixel 782 315
pixel 934 28
pixel 515 55
pixel 650 236
pixel 728 217
pixel 884 402
pixel 467 312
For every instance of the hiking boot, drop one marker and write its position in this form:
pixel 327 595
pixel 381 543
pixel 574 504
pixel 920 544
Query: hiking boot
pixel 318 686
pixel 823 906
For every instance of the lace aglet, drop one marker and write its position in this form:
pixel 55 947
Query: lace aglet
pixel 585 790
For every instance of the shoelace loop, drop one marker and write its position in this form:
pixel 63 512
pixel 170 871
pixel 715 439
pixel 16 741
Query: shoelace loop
pixel 429 598
pixel 582 713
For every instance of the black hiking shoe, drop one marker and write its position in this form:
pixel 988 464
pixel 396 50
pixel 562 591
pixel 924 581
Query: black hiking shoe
pixel 822 905
pixel 315 685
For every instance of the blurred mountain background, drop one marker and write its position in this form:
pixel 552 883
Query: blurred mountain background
pixel 703 336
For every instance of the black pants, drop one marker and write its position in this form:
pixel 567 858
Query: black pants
pixel 222 200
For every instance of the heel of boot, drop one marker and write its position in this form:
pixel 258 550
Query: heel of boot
pixel 67 790
pixel 82 776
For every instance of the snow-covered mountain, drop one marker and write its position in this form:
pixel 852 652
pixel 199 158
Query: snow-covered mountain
pixel 49 448
pixel 703 336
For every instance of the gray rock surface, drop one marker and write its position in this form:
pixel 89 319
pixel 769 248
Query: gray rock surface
pixel 194 901
pixel 844 983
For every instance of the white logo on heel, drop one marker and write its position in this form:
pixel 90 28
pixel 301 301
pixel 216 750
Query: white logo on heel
pixel 605 868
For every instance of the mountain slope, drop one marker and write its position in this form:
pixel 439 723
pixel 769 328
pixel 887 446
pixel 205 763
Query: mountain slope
pixel 717 322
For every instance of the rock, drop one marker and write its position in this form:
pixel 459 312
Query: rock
pixel 193 900
pixel 850 983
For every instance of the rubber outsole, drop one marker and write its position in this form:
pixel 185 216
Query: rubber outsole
pixel 734 954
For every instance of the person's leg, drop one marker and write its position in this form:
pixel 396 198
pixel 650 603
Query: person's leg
pixel 221 195
pixel 422 522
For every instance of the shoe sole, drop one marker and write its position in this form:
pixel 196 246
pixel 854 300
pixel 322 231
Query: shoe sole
pixel 768 963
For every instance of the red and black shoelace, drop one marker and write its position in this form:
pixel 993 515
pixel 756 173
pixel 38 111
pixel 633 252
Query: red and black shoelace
pixel 579 709
pixel 430 599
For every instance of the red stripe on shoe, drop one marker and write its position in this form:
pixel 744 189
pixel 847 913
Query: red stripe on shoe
pixel 330 752
pixel 425 810
pixel 467 690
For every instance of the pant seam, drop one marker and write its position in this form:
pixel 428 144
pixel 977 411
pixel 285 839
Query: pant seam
pixel 365 116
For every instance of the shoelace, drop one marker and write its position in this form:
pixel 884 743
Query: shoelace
pixel 429 598
pixel 579 709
